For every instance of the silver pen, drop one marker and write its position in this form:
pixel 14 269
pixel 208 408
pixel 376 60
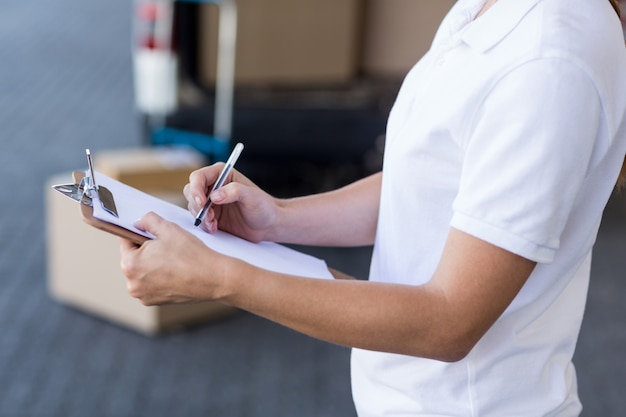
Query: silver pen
pixel 230 163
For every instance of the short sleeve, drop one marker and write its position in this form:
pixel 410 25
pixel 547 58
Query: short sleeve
pixel 527 153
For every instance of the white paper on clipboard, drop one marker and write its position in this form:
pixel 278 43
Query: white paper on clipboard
pixel 133 204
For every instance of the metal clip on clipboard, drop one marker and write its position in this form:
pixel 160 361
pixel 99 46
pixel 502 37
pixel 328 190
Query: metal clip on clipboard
pixel 86 190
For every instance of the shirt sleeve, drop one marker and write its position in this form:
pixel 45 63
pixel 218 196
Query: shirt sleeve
pixel 527 153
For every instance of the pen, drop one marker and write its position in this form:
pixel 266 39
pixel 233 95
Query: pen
pixel 230 163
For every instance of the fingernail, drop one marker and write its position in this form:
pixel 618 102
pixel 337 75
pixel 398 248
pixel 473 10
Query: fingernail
pixel 138 225
pixel 198 200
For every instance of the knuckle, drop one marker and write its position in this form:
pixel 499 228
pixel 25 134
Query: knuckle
pixel 193 177
pixel 133 289
pixel 127 268
pixel 146 302
pixel 235 187
pixel 233 190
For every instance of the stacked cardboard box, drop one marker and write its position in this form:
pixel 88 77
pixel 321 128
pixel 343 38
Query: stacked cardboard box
pixel 286 41
pixel 398 32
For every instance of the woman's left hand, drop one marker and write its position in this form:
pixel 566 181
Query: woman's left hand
pixel 175 267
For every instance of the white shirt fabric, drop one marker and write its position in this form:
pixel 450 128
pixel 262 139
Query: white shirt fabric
pixel 511 128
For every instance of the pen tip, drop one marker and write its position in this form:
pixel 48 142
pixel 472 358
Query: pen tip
pixel 197 223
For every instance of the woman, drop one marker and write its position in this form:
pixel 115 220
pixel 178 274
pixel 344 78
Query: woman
pixel 502 149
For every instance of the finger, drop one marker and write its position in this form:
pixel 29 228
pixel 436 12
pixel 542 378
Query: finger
pixel 209 223
pixel 229 193
pixel 195 191
pixel 193 208
pixel 127 257
pixel 201 181
pixel 191 203
pixel 127 246
pixel 151 223
pixel 211 226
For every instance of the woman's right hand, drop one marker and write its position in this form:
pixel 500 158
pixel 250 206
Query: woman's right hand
pixel 238 207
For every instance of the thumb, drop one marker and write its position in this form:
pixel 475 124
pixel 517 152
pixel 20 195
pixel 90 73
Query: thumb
pixel 151 223
pixel 229 193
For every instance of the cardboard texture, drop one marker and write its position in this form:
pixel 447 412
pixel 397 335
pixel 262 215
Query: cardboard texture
pixel 285 42
pixel 158 169
pixel 397 33
pixel 83 262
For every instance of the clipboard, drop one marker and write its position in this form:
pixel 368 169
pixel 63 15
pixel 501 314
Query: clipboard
pixel 87 192
pixel 79 192
pixel 83 191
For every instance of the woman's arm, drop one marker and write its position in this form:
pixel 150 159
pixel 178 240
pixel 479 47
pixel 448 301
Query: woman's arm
pixel 443 320
pixel 343 217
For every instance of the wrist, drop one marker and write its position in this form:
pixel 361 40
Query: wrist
pixel 231 281
pixel 277 229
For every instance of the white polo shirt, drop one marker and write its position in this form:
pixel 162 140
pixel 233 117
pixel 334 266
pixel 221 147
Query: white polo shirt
pixel 511 128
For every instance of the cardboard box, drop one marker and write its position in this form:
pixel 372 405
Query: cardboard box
pixel 150 169
pixel 287 42
pixel 84 262
pixel 397 33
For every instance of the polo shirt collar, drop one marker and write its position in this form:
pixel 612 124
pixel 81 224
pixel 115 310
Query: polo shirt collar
pixel 489 29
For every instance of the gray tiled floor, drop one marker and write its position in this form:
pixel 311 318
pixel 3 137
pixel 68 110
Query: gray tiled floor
pixel 65 84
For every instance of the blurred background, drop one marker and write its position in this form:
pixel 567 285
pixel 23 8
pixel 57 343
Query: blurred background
pixel 309 94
